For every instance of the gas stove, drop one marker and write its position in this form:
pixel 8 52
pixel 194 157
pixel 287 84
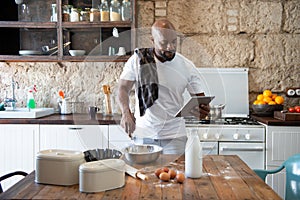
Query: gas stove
pixel 223 121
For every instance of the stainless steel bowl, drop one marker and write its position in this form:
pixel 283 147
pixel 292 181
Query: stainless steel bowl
pixel 101 154
pixel 141 154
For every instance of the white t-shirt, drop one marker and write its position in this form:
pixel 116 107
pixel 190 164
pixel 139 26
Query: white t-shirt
pixel 174 78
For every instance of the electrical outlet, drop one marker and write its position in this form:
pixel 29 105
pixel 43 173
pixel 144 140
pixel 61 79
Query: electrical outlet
pixel 293 92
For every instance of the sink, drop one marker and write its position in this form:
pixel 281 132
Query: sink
pixel 25 113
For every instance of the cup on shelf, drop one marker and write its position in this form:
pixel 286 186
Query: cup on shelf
pixel 121 51
pixel 111 51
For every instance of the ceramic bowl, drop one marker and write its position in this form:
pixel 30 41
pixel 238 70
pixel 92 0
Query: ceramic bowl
pixel 142 154
pixel 77 52
pixel 266 110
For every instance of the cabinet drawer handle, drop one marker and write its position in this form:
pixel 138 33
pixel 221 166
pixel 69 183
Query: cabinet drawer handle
pixel 240 149
pixel 75 128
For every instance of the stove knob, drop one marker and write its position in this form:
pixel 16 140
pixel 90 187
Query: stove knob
pixel 205 135
pixel 236 136
pixel 247 136
pixel 217 136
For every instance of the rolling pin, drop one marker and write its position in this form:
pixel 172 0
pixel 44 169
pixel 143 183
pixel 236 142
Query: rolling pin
pixel 106 90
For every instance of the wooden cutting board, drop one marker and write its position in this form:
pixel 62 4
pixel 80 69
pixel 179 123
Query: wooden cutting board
pixel 287 116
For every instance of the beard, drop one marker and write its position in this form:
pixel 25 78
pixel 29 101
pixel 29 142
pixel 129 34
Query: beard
pixel 166 55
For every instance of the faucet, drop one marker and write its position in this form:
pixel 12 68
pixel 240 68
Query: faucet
pixel 12 100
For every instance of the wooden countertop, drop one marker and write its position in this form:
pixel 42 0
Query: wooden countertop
pixel 275 122
pixel 225 177
pixel 82 119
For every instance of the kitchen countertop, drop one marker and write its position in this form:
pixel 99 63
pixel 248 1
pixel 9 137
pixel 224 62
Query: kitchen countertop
pixel 270 121
pixel 82 119
pixel 224 177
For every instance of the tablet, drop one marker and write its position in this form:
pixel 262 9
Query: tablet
pixel 192 103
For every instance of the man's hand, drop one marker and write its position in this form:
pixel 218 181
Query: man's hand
pixel 201 111
pixel 128 123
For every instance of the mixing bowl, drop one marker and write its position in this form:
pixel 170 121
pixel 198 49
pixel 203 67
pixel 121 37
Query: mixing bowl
pixel 77 52
pixel 141 154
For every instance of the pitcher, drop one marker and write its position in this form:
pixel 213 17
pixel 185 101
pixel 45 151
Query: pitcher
pixel 65 107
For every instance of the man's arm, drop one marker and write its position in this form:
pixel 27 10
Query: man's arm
pixel 127 120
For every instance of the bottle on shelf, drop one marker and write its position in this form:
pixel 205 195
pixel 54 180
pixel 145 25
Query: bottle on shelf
pixel 193 156
pixel 94 15
pixel 115 10
pixel 126 10
pixel 104 11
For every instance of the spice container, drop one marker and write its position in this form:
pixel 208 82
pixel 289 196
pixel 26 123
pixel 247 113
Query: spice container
pixel 104 10
pixel 66 13
pixel 85 15
pixel 115 11
pixel 94 15
pixel 126 10
pixel 74 15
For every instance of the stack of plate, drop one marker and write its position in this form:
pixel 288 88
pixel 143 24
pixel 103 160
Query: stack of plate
pixel 29 52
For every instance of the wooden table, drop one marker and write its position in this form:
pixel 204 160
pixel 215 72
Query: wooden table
pixel 224 177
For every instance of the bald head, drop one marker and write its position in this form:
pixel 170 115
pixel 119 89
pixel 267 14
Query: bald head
pixel 163 23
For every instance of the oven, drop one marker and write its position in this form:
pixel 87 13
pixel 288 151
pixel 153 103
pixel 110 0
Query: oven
pixel 235 133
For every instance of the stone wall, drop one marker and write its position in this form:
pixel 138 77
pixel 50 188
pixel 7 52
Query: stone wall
pixel 262 35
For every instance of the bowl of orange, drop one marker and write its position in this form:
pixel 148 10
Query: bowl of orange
pixel 266 103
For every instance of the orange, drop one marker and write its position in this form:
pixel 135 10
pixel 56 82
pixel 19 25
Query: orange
pixel 274 96
pixel 260 97
pixel 267 99
pixel 261 103
pixel 255 102
pixel 267 93
pixel 272 103
pixel 279 100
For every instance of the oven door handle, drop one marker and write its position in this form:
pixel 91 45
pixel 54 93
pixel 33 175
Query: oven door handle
pixel 241 149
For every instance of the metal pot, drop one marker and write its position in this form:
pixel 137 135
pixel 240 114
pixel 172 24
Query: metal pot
pixel 216 111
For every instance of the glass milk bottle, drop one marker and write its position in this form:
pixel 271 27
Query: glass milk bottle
pixel 104 11
pixel 126 10
pixel 115 11
pixel 193 155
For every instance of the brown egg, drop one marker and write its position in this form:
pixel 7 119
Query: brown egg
pixel 172 173
pixel 164 176
pixel 180 177
pixel 158 171
pixel 166 169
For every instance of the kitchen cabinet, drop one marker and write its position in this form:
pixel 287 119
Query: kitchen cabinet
pixel 281 143
pixel 73 137
pixel 30 25
pixel 118 138
pixel 18 146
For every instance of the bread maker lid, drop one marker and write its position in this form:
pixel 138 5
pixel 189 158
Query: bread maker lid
pixel 59 154
pixel 102 165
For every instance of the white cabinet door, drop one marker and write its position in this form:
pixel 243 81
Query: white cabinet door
pixel 18 145
pixel 73 137
pixel 118 138
pixel 281 143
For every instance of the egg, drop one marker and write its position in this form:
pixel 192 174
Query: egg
pixel 164 176
pixel 158 171
pixel 180 177
pixel 166 169
pixel 172 173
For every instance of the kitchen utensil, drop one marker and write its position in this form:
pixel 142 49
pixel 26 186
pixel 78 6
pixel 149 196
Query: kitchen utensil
pixel 142 154
pixel 107 92
pixel 266 110
pixel 98 176
pixel 65 107
pixel 47 49
pixel 58 167
pixel 92 111
pixel 135 173
pixel 77 52
pixel 216 111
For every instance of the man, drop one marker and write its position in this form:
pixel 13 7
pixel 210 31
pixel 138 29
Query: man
pixel 161 75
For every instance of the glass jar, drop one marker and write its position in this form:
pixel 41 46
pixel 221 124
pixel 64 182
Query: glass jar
pixel 104 10
pixel 115 11
pixel 74 15
pixel 66 13
pixel 85 15
pixel 126 10
pixel 94 15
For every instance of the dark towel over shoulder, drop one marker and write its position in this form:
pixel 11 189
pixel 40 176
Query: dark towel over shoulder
pixel 147 83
